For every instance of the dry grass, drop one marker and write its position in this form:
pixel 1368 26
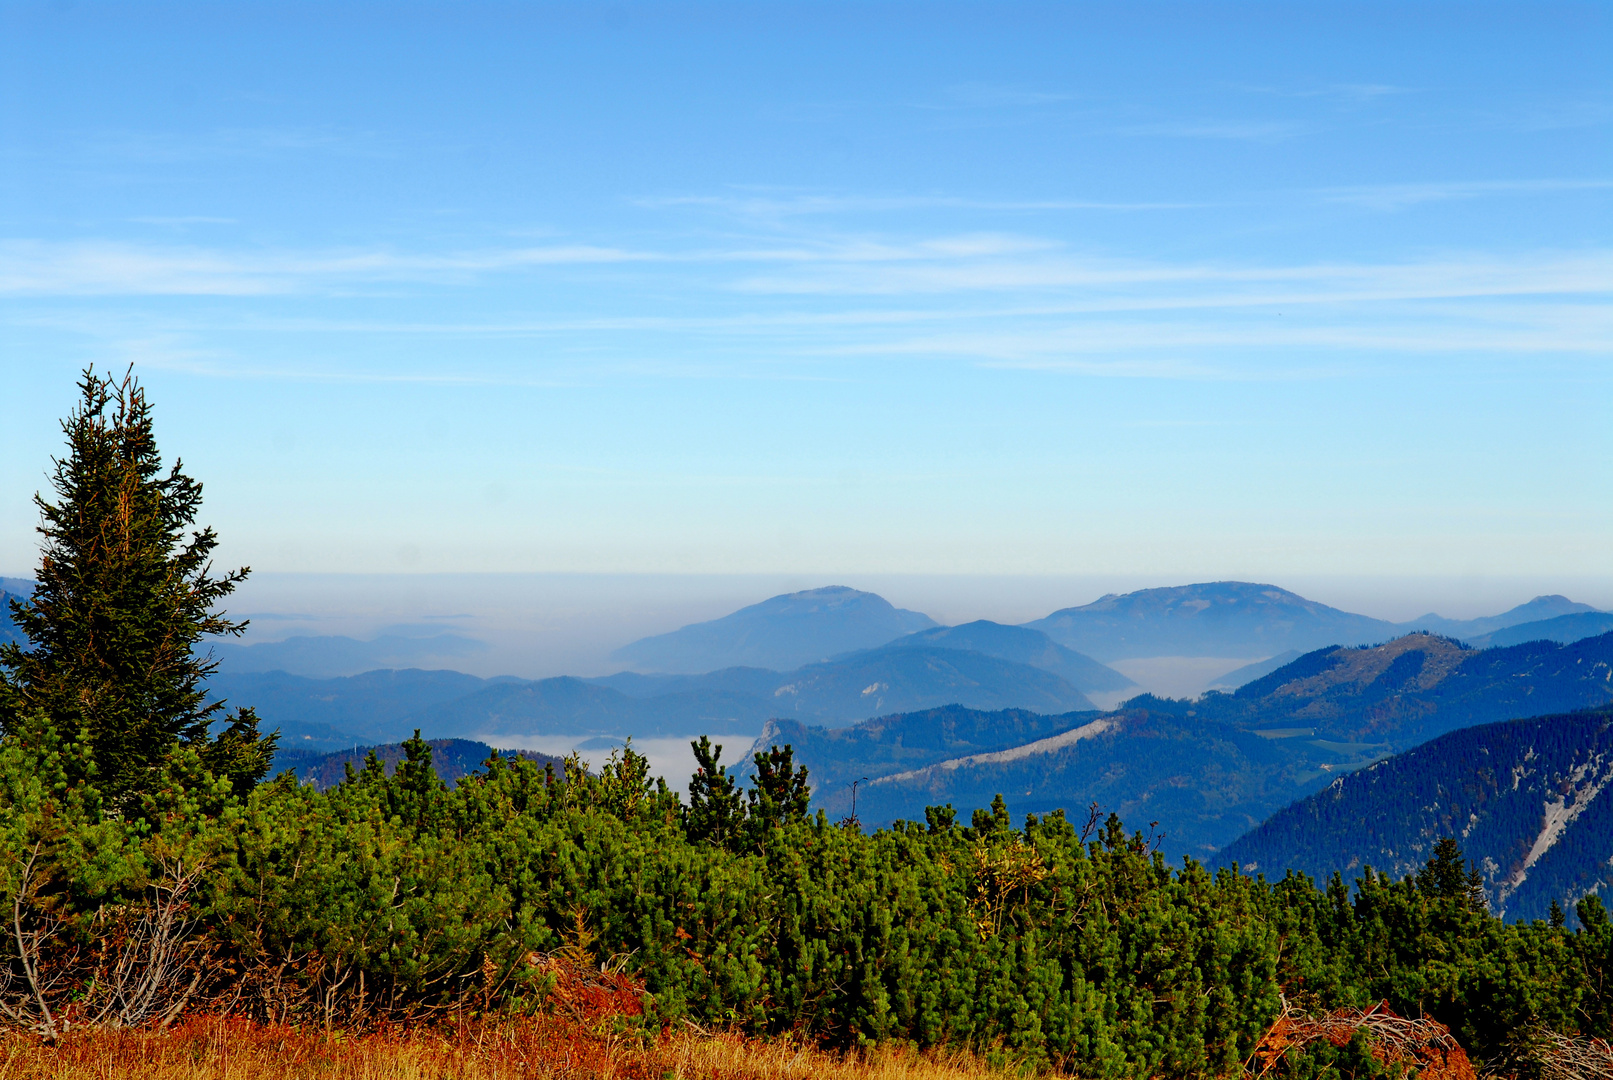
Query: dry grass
pixel 210 1048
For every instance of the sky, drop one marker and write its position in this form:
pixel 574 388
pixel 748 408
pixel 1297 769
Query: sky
pixel 826 293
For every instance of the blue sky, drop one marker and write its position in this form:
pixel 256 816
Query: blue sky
pixel 1158 291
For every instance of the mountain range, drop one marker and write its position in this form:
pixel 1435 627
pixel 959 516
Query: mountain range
pixel 1524 798
pixel 1563 628
pixel 385 706
pixel 1207 770
pixel 1238 618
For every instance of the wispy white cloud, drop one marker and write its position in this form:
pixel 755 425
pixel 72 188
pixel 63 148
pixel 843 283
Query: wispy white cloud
pixel 1056 270
pixel 1247 130
pixel 1400 196
pixel 1353 93
pixel 98 268
pixel 1207 342
pixel 183 220
pixel 994 95
pixel 163 147
pixel 989 298
pixel 1362 92
pixel 781 206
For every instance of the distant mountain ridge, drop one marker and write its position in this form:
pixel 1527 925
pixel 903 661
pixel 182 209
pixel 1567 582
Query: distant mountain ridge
pixel 330 656
pixel 741 700
pixel 326 715
pixel 1240 618
pixel 1539 609
pixel 1023 645
pixel 1223 618
pixel 1528 800
pixel 1563 629
pixel 781 633
pixel 385 706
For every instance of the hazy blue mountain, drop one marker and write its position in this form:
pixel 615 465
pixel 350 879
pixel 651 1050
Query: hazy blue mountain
pixel 570 706
pixel 1527 799
pixel 1250 672
pixel 330 656
pixel 1223 618
pixel 452 759
pixel 386 706
pixel 1539 609
pixel 740 700
pixel 330 714
pixel 781 633
pixel 905 679
pixel 20 588
pixel 1023 646
pixel 1563 628
pixel 757 682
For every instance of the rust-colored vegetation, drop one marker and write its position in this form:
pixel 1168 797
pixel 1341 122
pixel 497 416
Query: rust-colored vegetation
pixel 591 1026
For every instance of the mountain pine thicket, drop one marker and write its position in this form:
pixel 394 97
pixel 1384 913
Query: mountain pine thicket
pixel 146 871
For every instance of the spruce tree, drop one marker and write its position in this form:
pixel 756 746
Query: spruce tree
pixel 126 592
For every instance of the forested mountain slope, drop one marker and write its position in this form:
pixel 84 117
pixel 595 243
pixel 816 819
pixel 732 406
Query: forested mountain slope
pixel 1203 783
pixel 1527 800
pixel 1415 687
pixel 905 741
pixel 1210 769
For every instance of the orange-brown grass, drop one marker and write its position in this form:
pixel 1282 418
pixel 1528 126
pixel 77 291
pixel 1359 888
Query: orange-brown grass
pixel 212 1048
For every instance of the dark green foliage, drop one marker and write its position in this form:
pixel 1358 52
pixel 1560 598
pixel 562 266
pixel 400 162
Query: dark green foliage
pixel 1321 1060
pixel 716 805
pixel 393 895
pixel 1593 949
pixel 239 753
pixel 123 598
pixel 781 793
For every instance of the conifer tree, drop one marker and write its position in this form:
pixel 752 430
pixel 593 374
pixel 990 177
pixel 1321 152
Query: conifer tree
pixel 126 592
pixel 781 793
pixel 716 811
